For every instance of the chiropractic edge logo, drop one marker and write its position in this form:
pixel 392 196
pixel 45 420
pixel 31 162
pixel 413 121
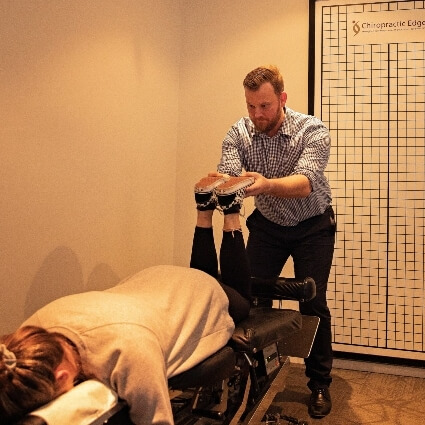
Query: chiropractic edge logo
pixel 356 27
pixel 387 26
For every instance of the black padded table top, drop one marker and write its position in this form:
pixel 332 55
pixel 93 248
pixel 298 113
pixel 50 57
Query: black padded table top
pixel 264 326
pixel 213 369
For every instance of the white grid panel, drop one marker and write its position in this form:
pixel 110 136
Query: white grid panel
pixel 372 98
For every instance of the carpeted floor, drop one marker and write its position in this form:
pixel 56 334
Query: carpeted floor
pixel 358 397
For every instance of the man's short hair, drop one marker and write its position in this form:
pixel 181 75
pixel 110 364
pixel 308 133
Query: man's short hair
pixel 264 74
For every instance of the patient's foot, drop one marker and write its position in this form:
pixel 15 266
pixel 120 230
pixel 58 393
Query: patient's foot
pixel 284 289
pixel 231 193
pixel 205 196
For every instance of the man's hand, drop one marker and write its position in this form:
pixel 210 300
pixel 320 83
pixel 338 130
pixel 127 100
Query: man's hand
pixel 260 185
pixel 294 186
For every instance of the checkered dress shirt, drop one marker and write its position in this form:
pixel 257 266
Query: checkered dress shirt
pixel 301 146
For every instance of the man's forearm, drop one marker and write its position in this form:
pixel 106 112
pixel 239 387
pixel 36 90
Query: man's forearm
pixel 296 186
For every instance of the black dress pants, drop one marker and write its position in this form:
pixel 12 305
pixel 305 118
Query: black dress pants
pixel 311 246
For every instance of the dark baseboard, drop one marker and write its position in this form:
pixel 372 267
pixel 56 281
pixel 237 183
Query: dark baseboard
pixel 342 355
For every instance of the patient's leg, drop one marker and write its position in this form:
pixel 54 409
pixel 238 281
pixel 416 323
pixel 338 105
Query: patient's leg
pixel 234 265
pixel 235 276
pixel 234 268
pixel 204 255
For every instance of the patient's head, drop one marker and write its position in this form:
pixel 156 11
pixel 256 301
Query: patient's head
pixel 35 367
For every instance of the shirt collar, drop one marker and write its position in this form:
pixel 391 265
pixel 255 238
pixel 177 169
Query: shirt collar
pixel 285 128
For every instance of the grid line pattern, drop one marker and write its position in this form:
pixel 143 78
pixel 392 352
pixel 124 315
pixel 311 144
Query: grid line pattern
pixel 373 101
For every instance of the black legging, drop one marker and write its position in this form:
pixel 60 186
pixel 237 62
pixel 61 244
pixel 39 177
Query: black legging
pixel 234 267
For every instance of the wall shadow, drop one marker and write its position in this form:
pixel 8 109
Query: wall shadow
pixel 102 277
pixel 60 275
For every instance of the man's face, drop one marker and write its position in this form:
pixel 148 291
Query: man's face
pixel 265 108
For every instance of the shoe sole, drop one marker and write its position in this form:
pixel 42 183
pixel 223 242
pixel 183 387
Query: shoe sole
pixel 208 184
pixel 233 184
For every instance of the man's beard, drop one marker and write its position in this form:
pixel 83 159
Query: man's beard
pixel 265 126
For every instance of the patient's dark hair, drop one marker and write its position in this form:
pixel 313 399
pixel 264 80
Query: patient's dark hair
pixel 264 74
pixel 28 359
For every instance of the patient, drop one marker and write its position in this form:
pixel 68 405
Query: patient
pixel 134 336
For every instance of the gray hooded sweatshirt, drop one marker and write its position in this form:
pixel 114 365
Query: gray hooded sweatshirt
pixel 134 336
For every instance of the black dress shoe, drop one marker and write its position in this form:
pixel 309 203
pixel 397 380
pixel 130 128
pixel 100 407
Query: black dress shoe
pixel 283 288
pixel 320 403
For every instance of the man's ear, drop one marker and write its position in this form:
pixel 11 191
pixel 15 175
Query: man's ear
pixel 283 98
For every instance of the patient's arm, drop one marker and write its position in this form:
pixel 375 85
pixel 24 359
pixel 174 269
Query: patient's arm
pixel 139 378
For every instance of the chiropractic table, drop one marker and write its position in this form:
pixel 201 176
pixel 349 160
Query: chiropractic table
pixel 236 385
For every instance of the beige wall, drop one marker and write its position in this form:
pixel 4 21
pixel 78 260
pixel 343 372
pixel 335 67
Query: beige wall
pixel 110 110
pixel 88 101
pixel 222 42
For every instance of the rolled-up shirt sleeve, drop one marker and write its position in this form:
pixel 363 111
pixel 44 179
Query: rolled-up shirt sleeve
pixel 315 156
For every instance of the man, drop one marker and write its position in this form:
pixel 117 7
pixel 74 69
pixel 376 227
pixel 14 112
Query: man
pixel 286 152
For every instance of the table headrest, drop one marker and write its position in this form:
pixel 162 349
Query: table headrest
pixel 80 406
